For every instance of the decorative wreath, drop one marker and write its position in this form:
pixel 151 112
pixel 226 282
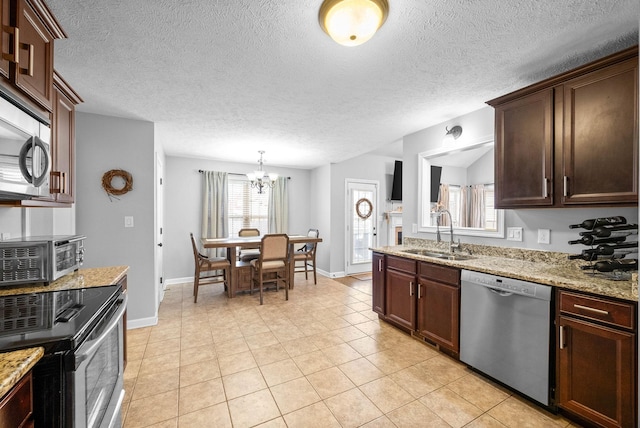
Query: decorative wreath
pixel 367 213
pixel 107 181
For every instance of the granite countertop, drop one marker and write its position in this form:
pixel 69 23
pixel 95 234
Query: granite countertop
pixel 15 364
pixel 541 267
pixel 83 278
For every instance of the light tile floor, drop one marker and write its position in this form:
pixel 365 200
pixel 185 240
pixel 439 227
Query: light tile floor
pixel 321 359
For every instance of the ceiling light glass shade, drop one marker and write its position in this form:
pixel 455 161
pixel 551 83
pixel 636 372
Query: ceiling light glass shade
pixel 260 178
pixel 352 22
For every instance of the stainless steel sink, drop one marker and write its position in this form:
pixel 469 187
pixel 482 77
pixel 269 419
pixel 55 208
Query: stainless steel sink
pixel 438 255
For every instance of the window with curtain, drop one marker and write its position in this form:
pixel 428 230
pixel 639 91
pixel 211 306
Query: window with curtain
pixel 470 206
pixel 247 207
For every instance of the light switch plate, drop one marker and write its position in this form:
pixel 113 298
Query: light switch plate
pixel 128 221
pixel 544 236
pixel 514 234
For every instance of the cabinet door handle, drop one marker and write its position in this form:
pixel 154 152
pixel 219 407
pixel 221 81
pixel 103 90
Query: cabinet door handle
pixel 419 288
pixel 561 331
pixel 379 265
pixel 587 308
pixel 410 288
pixel 55 174
pixel 545 185
pixel 15 56
pixel 64 182
pixel 565 186
pixel 30 51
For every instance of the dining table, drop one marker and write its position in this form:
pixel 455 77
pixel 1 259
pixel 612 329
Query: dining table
pixel 240 272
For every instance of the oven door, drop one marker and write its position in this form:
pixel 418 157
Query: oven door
pixel 97 382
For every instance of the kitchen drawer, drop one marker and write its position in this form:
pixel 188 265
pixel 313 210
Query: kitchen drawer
pixel 439 273
pixel 16 406
pixel 401 264
pixel 621 314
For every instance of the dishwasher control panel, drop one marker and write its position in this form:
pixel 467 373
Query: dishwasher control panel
pixel 507 284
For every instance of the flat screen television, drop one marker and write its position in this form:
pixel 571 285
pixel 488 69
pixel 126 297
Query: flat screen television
pixel 436 173
pixel 396 188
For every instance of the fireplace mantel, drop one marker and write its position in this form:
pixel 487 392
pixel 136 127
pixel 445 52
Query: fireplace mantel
pixel 394 227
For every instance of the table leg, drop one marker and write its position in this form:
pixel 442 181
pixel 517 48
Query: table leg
pixel 292 267
pixel 233 272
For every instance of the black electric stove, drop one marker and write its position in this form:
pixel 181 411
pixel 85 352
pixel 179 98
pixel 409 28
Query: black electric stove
pixel 55 320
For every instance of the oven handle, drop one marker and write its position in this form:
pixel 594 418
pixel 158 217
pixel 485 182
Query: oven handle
pixel 92 345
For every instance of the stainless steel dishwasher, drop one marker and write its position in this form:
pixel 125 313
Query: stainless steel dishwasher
pixel 505 331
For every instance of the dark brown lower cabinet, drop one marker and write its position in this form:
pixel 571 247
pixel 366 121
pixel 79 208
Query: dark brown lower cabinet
pixel 400 296
pixel 419 297
pixel 16 408
pixel 439 306
pixel 596 371
pixel 377 282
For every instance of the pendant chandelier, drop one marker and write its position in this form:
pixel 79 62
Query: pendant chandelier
pixel 352 22
pixel 260 178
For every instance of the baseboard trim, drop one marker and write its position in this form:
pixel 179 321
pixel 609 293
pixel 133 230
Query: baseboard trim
pixel 174 281
pixel 142 322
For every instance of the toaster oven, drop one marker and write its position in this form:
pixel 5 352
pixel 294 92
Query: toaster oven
pixel 39 259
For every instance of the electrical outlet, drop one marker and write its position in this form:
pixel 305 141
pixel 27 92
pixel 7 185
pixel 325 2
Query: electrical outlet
pixel 414 228
pixel 128 221
pixel 514 234
pixel 544 236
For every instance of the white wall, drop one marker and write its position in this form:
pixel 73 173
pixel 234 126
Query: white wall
pixel 478 126
pixel 320 215
pixel 104 143
pixel 367 167
pixel 183 206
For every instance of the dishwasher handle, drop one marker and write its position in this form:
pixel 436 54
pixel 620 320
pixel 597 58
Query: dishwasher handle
pixel 500 293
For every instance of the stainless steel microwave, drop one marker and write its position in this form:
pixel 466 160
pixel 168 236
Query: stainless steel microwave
pixel 35 259
pixel 25 155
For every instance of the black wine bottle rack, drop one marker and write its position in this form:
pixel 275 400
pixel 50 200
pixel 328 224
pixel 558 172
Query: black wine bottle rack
pixel 606 249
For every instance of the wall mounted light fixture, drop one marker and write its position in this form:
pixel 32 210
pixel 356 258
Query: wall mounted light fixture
pixel 352 22
pixel 453 133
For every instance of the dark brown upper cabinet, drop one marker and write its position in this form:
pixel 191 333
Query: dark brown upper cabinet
pixel 571 140
pixel 28 31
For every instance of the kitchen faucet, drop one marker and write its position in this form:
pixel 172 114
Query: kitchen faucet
pixel 452 245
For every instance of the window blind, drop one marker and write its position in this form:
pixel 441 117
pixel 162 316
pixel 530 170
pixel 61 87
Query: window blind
pixel 247 207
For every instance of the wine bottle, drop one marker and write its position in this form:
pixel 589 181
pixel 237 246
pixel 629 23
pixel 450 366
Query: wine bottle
pixel 590 257
pixel 611 230
pixel 611 265
pixel 592 240
pixel 595 222
pixel 619 250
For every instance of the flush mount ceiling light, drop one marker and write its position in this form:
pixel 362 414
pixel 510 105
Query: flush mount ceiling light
pixel 453 133
pixel 260 178
pixel 352 22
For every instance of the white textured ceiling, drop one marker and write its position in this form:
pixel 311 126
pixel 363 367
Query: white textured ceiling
pixel 222 79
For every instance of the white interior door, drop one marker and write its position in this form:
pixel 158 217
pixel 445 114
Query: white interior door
pixel 159 274
pixel 362 222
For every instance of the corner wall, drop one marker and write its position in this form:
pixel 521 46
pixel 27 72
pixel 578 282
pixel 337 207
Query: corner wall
pixel 104 143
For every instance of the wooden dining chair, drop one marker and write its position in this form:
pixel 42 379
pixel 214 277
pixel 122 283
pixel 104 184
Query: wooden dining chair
pixel 248 254
pixel 272 266
pixel 208 271
pixel 307 256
